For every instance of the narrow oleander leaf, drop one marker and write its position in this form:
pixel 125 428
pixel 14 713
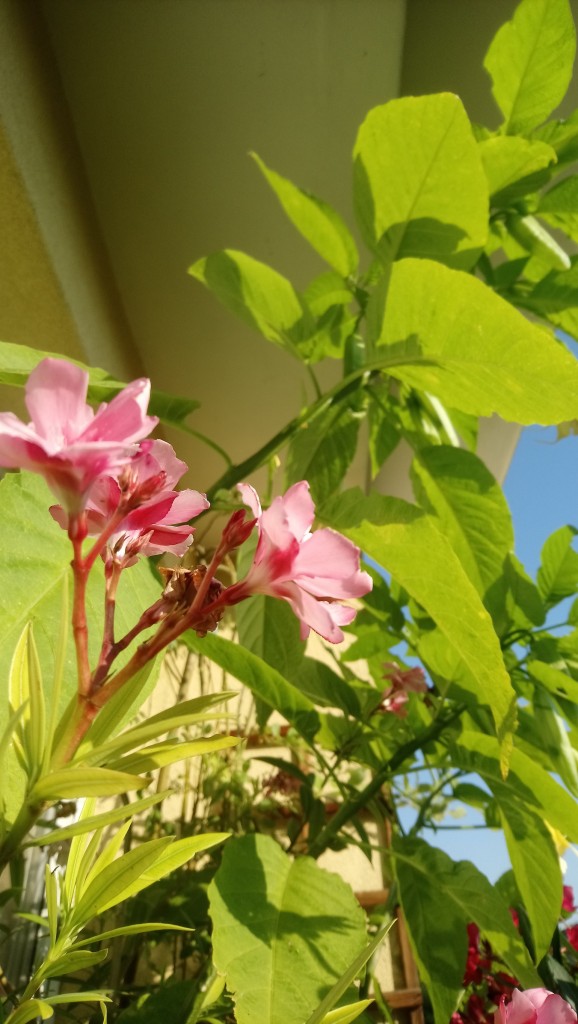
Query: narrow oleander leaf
pixel 119 880
pixel 51 897
pixel 460 491
pixel 77 854
pixel 420 189
pixel 530 61
pixel 69 963
pixel 516 368
pixel 130 929
pixel 188 713
pixel 83 782
pixel 532 856
pixel 284 931
pixel 318 222
pixel 437 917
pixel 59 669
pixel 85 825
pixel 159 755
pixel 409 545
pixel 527 780
pixel 31 1009
pixel 346 1014
pixel 259 295
pixel 348 978
pixel 118 709
pixel 265 682
pixel 78 997
pixel 108 853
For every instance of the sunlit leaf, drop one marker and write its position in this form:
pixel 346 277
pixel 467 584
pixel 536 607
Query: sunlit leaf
pixel 530 61
pixel 79 782
pixel 420 189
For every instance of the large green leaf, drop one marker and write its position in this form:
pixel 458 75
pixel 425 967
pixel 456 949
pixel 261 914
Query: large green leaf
pixel 264 681
pixel 515 166
pixel 440 897
pixel 536 866
pixel 34 561
pixel 530 61
pixel 458 488
pixel 420 189
pixel 474 350
pixel 284 931
pixel 316 220
pixel 407 543
pixel 527 781
pixel 259 295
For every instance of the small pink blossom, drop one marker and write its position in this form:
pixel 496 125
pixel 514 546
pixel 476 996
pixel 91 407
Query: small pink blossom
pixel 568 900
pixel 68 443
pixel 403 681
pixel 156 518
pixel 534 1006
pixel 314 572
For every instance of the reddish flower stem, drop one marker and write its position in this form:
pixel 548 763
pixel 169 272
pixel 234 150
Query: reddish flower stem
pixel 77 533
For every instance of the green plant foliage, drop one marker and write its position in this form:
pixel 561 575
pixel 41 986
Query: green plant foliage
pixel 316 221
pixel 456 486
pixel 34 562
pixel 435 203
pixel 409 545
pixel 284 931
pixel 515 368
pixel 437 916
pixel 530 62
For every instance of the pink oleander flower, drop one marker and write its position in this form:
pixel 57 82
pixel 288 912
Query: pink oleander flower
pixel 314 572
pixel 534 1006
pixel 156 518
pixel 66 441
pixel 568 900
pixel 403 681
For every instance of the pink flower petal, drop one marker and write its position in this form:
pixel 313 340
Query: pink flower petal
pixel 56 400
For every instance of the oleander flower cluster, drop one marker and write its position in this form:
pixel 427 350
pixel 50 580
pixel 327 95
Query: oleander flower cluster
pixel 116 484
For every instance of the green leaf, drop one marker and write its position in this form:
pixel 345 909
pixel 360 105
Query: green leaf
pixel 539 243
pixel 558 683
pixel 51 896
pixel 316 221
pixel 84 825
pixel 536 866
pixel 283 931
pixel 78 997
pixel 268 628
pixel 29 1010
pixel 346 1014
pixel 26 691
pixel 18 361
pixel 117 881
pixel 420 189
pixel 263 680
pixel 562 136
pixel 347 979
pixel 131 929
pixel 437 916
pixel 159 755
pixel 69 963
pixel 406 542
pixel 515 166
pixel 473 514
pixel 259 295
pixel 555 298
pixel 34 560
pixel 515 368
pixel 527 781
pixel 186 713
pixel 558 574
pixel 84 782
pixel 322 451
pixel 530 62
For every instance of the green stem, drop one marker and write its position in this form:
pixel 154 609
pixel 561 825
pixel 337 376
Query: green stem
pixel 352 807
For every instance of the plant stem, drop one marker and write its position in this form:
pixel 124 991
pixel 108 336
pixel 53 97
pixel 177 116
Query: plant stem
pixel 349 809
